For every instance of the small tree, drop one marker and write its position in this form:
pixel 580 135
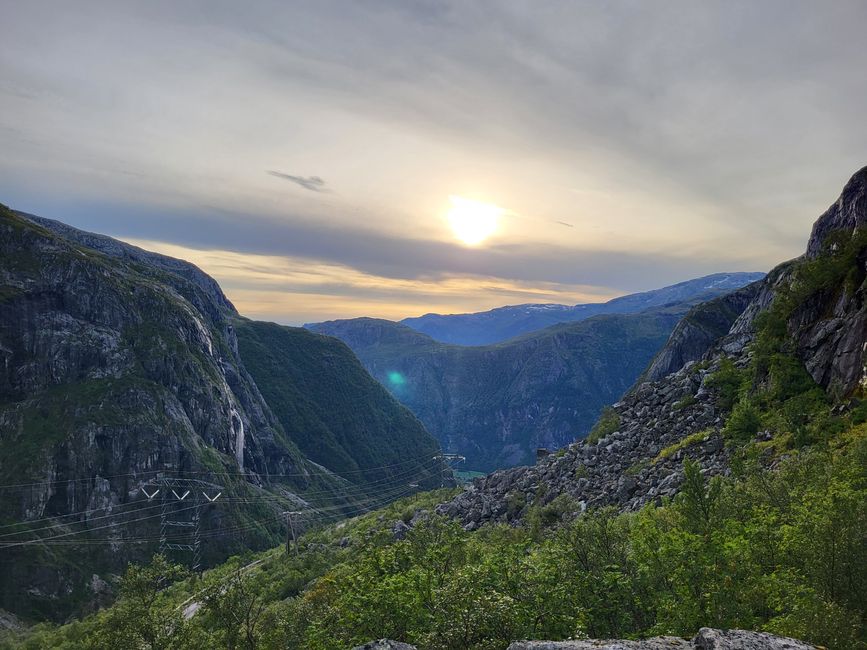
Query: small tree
pixel 237 611
pixel 139 619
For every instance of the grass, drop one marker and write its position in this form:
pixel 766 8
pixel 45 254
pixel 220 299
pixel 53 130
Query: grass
pixel 683 443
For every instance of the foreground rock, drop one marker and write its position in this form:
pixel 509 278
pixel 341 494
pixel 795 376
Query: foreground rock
pixel 706 639
pixel 385 644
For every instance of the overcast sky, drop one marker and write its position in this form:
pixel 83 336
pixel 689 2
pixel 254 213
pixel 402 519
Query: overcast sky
pixel 304 153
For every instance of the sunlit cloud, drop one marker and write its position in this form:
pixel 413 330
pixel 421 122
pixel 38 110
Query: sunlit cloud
pixel 294 290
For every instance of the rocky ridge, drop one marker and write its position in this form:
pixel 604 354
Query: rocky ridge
pixel 504 323
pixel 678 415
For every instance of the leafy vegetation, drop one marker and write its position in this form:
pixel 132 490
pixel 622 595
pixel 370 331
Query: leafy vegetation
pixel 683 443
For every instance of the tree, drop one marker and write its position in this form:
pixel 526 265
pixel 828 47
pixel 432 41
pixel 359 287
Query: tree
pixel 237 611
pixel 140 619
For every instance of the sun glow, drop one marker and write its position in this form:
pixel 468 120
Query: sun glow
pixel 473 221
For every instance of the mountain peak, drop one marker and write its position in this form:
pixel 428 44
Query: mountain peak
pixel 849 212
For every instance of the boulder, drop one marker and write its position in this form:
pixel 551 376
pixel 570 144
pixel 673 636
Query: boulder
pixel 385 644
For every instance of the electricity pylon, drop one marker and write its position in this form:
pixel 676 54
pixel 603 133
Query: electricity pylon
pixel 181 504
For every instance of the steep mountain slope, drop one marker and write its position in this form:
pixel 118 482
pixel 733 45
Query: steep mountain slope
pixel 496 404
pixel 792 361
pixel 329 407
pixel 118 367
pixel 496 325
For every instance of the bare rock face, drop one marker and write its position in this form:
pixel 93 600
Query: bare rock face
pixel 710 639
pixel 657 643
pixel 700 330
pixel 385 644
pixel 849 212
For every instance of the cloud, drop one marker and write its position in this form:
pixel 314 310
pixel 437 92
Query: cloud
pixel 312 183
pixel 294 290
pixel 675 138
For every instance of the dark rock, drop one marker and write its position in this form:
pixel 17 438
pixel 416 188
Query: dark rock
pixel 710 639
pixel 399 530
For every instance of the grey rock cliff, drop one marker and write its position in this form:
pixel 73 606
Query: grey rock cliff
pixel 849 213
pixel 706 639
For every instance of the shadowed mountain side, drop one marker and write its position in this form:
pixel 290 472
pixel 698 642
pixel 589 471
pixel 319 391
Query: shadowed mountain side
pixel 118 367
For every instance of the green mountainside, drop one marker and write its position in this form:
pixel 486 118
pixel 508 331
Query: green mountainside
pixel 329 407
pixel 119 368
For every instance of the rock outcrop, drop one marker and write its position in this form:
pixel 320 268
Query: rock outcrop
pixel 699 331
pixel 676 414
pixel 706 639
pixel 385 644
pixel 848 213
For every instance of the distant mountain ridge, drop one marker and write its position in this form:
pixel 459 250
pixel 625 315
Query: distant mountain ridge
pixel 503 323
pixel 496 404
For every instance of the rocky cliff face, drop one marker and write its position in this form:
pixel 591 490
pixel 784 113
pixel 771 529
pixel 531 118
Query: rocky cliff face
pixel 819 306
pixel 848 213
pixel 118 366
pixel 496 404
pixel 699 331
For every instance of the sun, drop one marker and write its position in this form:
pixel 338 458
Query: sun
pixel 473 221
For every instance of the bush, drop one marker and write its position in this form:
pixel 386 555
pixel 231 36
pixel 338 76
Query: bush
pixel 729 382
pixel 743 423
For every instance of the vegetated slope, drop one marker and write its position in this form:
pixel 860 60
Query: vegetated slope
pixel 329 406
pixel 497 404
pixel 117 367
pixel 503 323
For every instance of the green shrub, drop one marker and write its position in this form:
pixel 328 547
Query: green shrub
pixel 729 382
pixel 743 423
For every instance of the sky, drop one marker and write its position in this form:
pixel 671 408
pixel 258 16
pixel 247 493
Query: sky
pixel 306 154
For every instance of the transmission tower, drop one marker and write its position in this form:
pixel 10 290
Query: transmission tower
pixel 181 504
